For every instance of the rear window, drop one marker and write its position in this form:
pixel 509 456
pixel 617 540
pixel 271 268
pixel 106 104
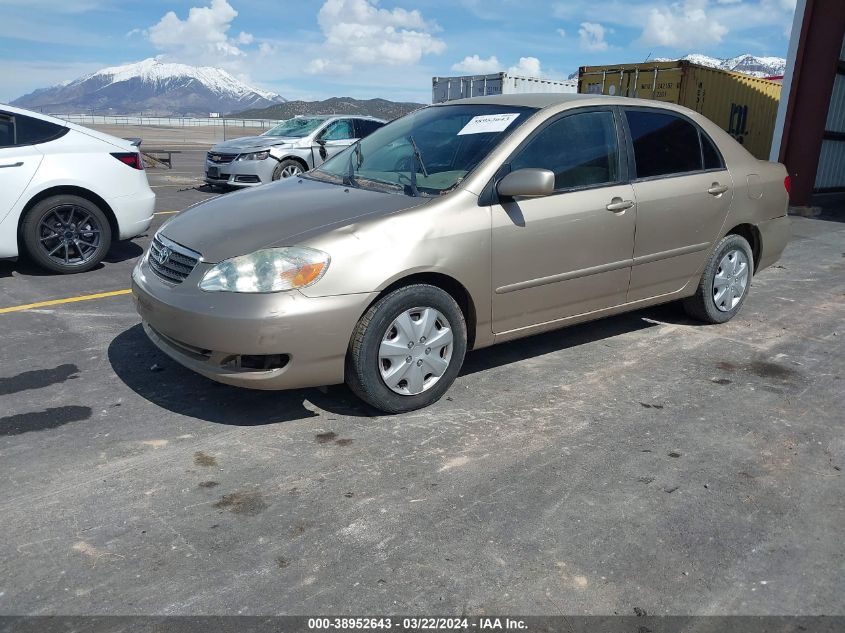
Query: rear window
pixel 664 144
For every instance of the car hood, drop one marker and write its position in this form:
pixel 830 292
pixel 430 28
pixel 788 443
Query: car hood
pixel 276 214
pixel 252 143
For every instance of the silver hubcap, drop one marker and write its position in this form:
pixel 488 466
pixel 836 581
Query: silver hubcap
pixel 730 281
pixel 291 170
pixel 415 351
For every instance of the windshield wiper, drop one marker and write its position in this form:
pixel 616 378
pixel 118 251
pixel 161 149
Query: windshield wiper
pixel 419 159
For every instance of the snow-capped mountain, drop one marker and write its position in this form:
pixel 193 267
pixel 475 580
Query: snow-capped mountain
pixel 151 87
pixel 745 64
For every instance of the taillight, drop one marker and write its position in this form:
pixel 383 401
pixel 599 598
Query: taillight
pixel 787 184
pixel 133 159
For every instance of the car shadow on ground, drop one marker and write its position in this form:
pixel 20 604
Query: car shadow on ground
pixel 160 380
pixel 119 252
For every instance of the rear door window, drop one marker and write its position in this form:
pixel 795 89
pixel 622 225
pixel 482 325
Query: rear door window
pixel 664 144
pixel 581 149
pixel 710 154
pixel 365 127
pixel 23 130
pixel 7 131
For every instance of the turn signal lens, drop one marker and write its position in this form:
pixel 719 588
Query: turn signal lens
pixel 787 184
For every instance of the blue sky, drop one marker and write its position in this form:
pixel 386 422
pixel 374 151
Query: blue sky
pixel 372 48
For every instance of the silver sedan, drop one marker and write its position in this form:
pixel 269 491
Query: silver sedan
pixel 286 150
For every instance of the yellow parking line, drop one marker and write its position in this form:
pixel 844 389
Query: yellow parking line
pixel 56 302
pixel 165 212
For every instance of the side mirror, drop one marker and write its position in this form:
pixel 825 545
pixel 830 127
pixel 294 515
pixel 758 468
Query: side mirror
pixel 527 183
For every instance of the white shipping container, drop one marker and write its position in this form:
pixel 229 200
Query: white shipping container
pixel 461 87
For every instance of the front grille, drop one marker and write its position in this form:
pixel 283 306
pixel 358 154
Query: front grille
pixel 171 261
pixel 220 159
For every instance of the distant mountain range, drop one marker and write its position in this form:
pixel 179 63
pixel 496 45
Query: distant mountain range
pixel 150 87
pixel 380 108
pixel 745 64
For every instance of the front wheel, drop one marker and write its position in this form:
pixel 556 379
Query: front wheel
pixel 725 282
pixel 407 349
pixel 287 168
pixel 66 234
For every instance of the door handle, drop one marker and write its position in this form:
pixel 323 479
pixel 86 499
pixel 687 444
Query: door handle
pixel 618 204
pixel 716 189
pixel 17 164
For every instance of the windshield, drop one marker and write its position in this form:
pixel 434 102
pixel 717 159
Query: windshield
pixel 425 153
pixel 295 128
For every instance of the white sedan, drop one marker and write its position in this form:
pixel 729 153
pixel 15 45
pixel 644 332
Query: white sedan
pixel 67 191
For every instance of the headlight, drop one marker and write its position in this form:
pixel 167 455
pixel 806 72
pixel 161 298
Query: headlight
pixel 254 155
pixel 267 270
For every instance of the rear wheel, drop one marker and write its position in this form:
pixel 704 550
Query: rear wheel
pixel 407 349
pixel 725 282
pixel 287 168
pixel 66 234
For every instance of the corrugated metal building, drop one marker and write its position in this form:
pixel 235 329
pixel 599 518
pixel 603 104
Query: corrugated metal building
pixel 810 130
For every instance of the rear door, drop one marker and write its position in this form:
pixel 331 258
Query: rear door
pixel 19 158
pixel 683 193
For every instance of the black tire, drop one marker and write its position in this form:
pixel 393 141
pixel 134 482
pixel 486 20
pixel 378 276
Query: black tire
pixel 702 305
pixel 363 365
pixel 66 222
pixel 286 167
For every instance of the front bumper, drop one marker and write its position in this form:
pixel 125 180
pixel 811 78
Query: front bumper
pixel 240 173
pixel 208 332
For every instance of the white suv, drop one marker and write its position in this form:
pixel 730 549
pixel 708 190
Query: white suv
pixel 66 191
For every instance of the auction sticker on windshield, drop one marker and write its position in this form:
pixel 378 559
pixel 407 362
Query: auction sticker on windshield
pixel 488 123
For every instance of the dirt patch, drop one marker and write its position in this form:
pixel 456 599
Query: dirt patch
pixel 201 459
pixel 243 503
pixel 325 438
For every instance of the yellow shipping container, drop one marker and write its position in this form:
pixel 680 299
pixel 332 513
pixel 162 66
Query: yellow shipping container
pixel 743 106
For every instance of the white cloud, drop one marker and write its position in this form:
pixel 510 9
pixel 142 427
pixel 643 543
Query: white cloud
pixel 682 24
pixel 359 32
pixel 474 64
pixel 591 36
pixel 527 67
pixel 561 32
pixel 203 32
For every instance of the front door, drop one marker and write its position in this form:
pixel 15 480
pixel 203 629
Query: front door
pixel 336 137
pixel 570 252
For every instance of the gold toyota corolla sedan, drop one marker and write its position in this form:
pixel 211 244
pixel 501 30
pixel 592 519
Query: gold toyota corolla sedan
pixel 459 226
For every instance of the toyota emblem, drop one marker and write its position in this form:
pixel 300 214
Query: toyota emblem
pixel 163 255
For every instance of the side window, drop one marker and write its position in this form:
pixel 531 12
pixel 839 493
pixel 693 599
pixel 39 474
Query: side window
pixel 7 131
pixel 366 127
pixel 664 144
pixel 338 131
pixel 712 158
pixel 34 131
pixel 581 149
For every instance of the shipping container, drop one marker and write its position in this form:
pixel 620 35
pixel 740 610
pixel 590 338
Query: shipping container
pixel 450 88
pixel 743 106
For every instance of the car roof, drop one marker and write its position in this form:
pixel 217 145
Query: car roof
pixel 336 116
pixel 531 100
pixel 33 114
